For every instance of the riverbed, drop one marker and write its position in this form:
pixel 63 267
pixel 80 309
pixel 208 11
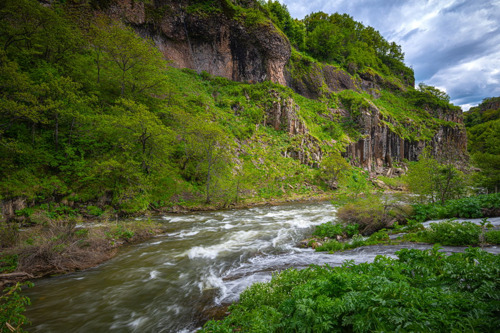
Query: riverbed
pixel 203 261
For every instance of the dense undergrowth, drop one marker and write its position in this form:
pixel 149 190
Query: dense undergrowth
pixel 486 205
pixel 376 219
pixel 483 128
pixel 418 291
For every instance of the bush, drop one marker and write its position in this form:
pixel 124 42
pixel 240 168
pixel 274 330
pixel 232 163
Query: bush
pixel 121 232
pixel 8 263
pixel 13 304
pixel 450 232
pixel 492 237
pixel 94 210
pixel 331 246
pixel 332 230
pixel 455 233
pixel 469 207
pixel 371 214
pixel 387 295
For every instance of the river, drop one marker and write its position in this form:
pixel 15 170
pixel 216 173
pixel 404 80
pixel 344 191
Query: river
pixel 204 260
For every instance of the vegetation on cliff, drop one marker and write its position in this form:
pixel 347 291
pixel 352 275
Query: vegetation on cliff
pixel 483 134
pixel 92 113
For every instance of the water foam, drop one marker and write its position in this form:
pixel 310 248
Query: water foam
pixel 238 240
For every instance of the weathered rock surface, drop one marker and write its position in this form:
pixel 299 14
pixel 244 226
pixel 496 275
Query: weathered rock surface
pixel 283 115
pixel 380 147
pixel 216 43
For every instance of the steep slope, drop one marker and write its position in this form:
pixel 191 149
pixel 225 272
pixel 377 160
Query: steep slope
pixel 483 131
pixel 92 114
pixel 212 36
pixel 238 41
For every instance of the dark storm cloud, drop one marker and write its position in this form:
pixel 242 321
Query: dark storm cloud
pixel 452 44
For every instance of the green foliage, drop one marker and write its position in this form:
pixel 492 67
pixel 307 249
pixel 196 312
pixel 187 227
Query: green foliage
pixel 331 230
pixel 453 293
pixel 13 304
pixel 433 181
pixel 8 263
pixel 120 232
pixel 450 232
pixel 392 182
pixel 294 29
pixel 337 38
pixel 406 118
pixel 379 237
pixel 429 96
pixel 468 207
pixel 483 128
pixel 356 185
pixel 94 210
pixel 333 168
pixel 492 237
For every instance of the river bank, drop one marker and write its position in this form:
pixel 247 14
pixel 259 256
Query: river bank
pixel 61 247
pixel 68 245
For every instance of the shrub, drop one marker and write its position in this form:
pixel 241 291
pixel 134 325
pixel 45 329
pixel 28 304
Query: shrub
pixel 371 214
pixel 94 210
pixel 331 246
pixel 13 304
pixel 8 262
pixel 121 232
pixel 379 236
pixel 453 293
pixel 449 233
pixel 469 207
pixel 492 237
pixel 329 230
pixel 455 233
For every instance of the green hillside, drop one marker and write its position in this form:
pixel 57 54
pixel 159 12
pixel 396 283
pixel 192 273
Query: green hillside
pixel 483 132
pixel 90 113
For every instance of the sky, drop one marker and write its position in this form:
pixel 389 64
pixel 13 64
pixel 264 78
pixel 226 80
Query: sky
pixel 453 45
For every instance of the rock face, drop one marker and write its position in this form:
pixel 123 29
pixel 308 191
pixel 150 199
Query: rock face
pixel 216 43
pixel 381 148
pixel 283 115
pixel 224 45
pixel 311 83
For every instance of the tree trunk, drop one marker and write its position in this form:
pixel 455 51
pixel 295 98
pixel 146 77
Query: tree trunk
pixel 57 132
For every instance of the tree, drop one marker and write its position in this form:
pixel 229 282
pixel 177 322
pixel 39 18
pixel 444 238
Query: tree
pixel 333 167
pixel 139 63
pixel 433 91
pixel 139 132
pixel 433 181
pixel 206 149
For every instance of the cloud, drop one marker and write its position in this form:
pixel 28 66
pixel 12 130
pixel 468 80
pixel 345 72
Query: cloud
pixel 453 44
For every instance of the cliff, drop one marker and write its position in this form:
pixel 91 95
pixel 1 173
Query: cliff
pixel 224 42
pixel 217 42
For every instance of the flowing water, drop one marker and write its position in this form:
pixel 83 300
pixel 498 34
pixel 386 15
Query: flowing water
pixel 204 260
